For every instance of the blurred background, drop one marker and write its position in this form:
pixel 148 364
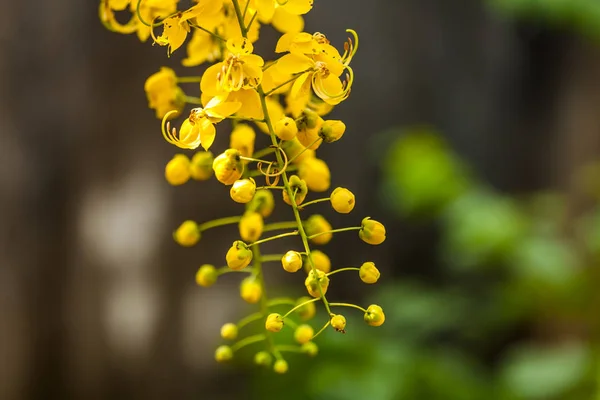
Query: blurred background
pixel 473 134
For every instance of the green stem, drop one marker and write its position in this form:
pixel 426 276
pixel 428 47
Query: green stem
pixel 292 79
pixel 271 187
pixel 250 318
pixel 193 100
pixel 306 148
pixel 240 18
pixel 139 15
pixel 348 305
pixel 353 228
pixel 321 330
pixel 255 160
pixel 219 222
pixel 291 323
pixel 300 306
pixel 189 79
pixel 295 233
pixel 248 340
pixel 245 11
pixel 315 202
pixel 271 257
pixel 280 225
pixel 264 152
pixel 236 118
pixel 251 20
pixel 281 301
pixel 221 38
pixel 227 270
pixel 343 269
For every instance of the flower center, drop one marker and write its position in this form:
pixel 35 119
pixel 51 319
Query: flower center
pixel 321 69
pixel 231 76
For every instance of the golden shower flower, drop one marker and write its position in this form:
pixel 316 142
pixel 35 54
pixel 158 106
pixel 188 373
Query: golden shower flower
pixel 292 261
pixel 177 171
pixel 163 93
pixel 316 174
pixel 201 165
pixel 372 232
pixel 315 280
pixel 310 348
pixel 342 200
pixel 242 139
pixel 188 234
pixel 243 190
pixel 320 260
pixel 374 315
pixel 207 275
pixel 369 273
pixel 223 353
pixel 286 128
pixel 280 366
pixel 308 310
pixel 250 290
pixel 238 256
pixel 228 167
pixel 263 358
pixel 303 333
pixel 251 226
pixel 229 331
pixel 298 187
pixel 317 225
pixel 274 322
pixel 338 322
pixel 296 150
pixel 263 202
pixel 332 131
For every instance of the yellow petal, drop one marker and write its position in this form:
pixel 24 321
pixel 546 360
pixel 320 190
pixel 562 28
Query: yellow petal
pixel 285 22
pixel 207 133
pixel 250 101
pixel 253 59
pixel 301 86
pixel 291 64
pixel 240 45
pixel 265 8
pixel 298 7
pixel 223 110
pixel 209 84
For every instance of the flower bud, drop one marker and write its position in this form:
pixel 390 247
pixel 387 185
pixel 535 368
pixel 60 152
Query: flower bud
pixel 201 166
pixel 274 322
pixel 207 275
pixel 238 256
pixel 374 315
pixel 309 137
pixel 342 200
pixel 307 311
pixel 228 167
pixel 298 186
pixel 263 202
pixel 320 260
pixel 250 290
pixel 303 333
pixel 371 231
pixel 294 149
pixel 332 131
pixel 292 261
pixel 187 234
pixel 368 272
pixel 251 226
pixel 313 282
pixel 223 353
pixel 310 348
pixel 163 93
pixel 317 224
pixel 338 322
pixel 229 331
pixel 280 366
pixel 310 119
pixel 243 190
pixel 286 128
pixel 242 139
pixel 263 358
pixel 316 174
pixel 177 171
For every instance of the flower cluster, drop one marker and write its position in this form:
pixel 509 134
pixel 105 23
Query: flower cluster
pixel 288 99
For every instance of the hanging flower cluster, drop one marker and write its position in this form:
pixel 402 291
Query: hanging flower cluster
pixel 286 98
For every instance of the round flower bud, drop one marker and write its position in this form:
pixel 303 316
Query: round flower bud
pixel 229 331
pixel 374 315
pixel 317 224
pixel 303 333
pixel 263 358
pixel 243 190
pixel 238 256
pixel 294 149
pixel 177 171
pixel 310 348
pixel 250 290
pixel 316 174
pixel 292 261
pixel 242 139
pixel 187 234
pixel 163 93
pixel 342 200
pixel 338 322
pixel 313 282
pixel 332 131
pixel 368 272
pixel 371 231
pixel 263 202
pixel 223 353
pixel 320 260
pixel 274 322
pixel 251 226
pixel 298 186
pixel 280 366
pixel 228 167
pixel 207 275
pixel 307 311
pixel 286 128
pixel 201 166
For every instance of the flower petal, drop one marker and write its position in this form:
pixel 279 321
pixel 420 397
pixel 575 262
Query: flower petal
pixel 207 134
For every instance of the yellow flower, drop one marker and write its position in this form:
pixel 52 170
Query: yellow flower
pixel 308 131
pixel 371 231
pixel 229 331
pixel 310 348
pixel 332 131
pixel 263 202
pixel 338 322
pixel 207 275
pixel 283 15
pixel 286 129
pixel 242 139
pixel 163 93
pixel 243 190
pixel 274 322
pixel 307 311
pixel 251 226
pixel 239 70
pixel 250 290
pixel 374 315
pixel 223 353
pixel 263 358
pixel 201 166
pixel 177 171
pixel 292 261
pixel 320 260
pixel 228 167
pixel 304 333
pixel 238 256
pixel 203 47
pixel 369 273
pixel 316 174
pixel 187 234
pixel 342 200
pixel 280 366
pixel 317 224
pixel 298 187
pixel 295 149
pixel 314 281
pixel 199 127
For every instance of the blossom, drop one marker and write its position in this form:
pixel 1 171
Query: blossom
pixel 163 93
